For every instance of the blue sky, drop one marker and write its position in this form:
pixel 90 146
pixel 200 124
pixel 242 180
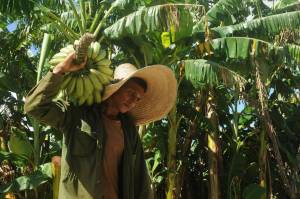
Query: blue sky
pixel 11 27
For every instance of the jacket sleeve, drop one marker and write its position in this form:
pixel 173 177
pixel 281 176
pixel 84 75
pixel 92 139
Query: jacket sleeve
pixel 40 103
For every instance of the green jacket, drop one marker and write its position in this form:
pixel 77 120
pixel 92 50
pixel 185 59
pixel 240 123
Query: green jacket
pixel 83 144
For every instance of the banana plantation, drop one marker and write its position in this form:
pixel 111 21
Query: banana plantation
pixel 234 132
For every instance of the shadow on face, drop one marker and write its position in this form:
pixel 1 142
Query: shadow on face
pixel 128 95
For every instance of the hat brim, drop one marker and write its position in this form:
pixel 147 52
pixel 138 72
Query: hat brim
pixel 159 98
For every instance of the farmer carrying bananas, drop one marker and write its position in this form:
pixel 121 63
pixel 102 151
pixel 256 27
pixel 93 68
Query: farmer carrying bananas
pixel 102 154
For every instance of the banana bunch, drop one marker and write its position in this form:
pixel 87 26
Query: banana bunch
pixel 86 85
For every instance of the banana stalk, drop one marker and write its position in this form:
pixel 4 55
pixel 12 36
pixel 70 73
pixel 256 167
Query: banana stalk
pixel 82 48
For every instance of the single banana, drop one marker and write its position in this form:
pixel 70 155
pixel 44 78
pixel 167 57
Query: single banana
pixel 104 62
pixel 88 85
pixel 56 61
pixel 96 82
pixel 79 87
pixel 90 52
pixel 106 78
pixel 60 55
pixel 98 75
pixel 90 99
pixel 101 55
pixel 82 99
pixel 71 86
pixel 97 97
pixel 67 50
pixel 96 49
pixel 105 69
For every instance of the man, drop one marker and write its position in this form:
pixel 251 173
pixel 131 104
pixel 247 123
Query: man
pixel 102 154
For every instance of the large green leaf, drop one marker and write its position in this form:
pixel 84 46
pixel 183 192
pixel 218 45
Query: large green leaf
pixel 19 143
pixel 294 52
pixel 203 73
pixel 222 11
pixel 15 158
pixel 270 25
pixel 244 48
pixel 241 47
pixel 41 175
pixel 284 3
pixel 155 18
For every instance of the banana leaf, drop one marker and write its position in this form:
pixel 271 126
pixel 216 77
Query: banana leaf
pixel 42 175
pixel 270 25
pixel 152 19
pixel 203 73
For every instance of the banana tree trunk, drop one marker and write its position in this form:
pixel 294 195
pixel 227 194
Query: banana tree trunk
pixel 171 161
pixel 36 125
pixel 213 150
pixel 185 148
pixel 266 120
pixel 262 162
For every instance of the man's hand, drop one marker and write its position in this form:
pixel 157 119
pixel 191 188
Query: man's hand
pixel 68 65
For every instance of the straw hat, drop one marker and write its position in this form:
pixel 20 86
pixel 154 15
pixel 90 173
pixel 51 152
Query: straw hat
pixel 159 97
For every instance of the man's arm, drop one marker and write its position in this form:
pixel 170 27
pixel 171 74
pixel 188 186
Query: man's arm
pixel 40 105
pixel 39 101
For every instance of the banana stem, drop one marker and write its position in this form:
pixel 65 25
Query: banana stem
pixel 102 21
pixel 82 14
pixel 44 49
pixel 82 48
pixel 77 16
pixel 56 19
pixel 96 19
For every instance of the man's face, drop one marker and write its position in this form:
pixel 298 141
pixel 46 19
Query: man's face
pixel 127 96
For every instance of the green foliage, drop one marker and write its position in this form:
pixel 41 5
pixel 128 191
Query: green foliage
pixel 284 3
pixel 204 73
pixel 131 31
pixel 42 175
pixel 269 25
pixel 155 18
pixel 19 144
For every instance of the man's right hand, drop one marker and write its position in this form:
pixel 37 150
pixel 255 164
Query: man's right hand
pixel 68 65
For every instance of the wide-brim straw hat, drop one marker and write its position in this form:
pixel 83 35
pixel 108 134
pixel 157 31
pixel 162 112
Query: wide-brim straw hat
pixel 159 97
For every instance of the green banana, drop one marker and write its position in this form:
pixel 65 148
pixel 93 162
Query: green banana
pixel 101 55
pixel 96 49
pixel 90 99
pixel 82 99
pixel 88 85
pixel 99 75
pixel 71 86
pixel 96 82
pixel 106 70
pixel 90 52
pixel 103 62
pixel 56 61
pixel 97 97
pixel 68 49
pixel 60 55
pixel 79 87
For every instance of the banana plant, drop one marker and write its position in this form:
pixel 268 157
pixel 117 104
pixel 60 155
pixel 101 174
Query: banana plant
pixel 144 22
pixel 239 49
